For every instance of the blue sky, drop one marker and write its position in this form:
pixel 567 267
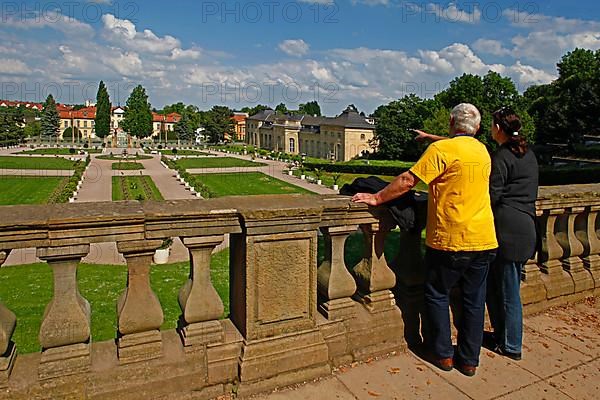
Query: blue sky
pixel 366 52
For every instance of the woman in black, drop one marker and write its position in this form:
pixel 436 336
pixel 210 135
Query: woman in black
pixel 513 191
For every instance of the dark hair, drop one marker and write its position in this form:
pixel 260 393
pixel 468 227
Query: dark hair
pixel 510 123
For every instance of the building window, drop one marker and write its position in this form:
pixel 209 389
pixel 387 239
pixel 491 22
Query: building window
pixel 292 145
pixel 85 124
pixel 67 124
pixel 339 135
pixel 362 136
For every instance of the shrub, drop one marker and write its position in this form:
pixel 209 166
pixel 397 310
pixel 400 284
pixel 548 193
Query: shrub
pixel 85 145
pixel 72 150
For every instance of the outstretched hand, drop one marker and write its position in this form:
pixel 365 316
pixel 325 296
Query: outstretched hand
pixel 421 135
pixel 366 198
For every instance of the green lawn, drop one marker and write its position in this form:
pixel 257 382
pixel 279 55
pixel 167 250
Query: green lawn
pixel 54 163
pixel 134 188
pixel 27 190
pixel 247 183
pixel 26 289
pixel 127 165
pixel 58 151
pixel 216 162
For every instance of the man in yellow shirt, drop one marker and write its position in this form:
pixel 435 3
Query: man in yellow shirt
pixel 461 239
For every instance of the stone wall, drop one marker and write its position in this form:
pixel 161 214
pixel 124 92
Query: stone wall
pixel 291 319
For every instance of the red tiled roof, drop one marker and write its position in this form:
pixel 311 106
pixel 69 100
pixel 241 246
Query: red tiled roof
pixel 169 118
pixel 84 113
pixel 238 118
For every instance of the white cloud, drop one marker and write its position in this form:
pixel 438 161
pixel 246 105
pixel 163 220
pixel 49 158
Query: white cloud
pixel 122 32
pixel 294 47
pixel 493 47
pixel 53 20
pixel 11 66
pixel 547 38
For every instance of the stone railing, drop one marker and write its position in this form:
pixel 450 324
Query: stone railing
pixel 291 320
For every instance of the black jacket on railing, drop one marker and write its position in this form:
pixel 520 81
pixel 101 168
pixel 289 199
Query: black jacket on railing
pixel 409 210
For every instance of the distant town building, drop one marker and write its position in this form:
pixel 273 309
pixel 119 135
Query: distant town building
pixel 164 123
pixel 24 104
pixel 84 120
pixel 339 138
pixel 239 120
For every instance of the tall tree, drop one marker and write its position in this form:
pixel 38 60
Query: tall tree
pixel 218 122
pixel 178 108
pixel 310 108
pixel 50 120
pixel 137 120
pixel 103 106
pixel 393 136
pixel 183 129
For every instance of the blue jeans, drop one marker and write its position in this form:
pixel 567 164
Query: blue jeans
pixel 504 304
pixel 446 269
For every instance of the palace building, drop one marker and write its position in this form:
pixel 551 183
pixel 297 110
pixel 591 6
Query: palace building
pixel 339 138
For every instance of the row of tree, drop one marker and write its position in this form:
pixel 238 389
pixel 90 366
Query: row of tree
pixel 560 112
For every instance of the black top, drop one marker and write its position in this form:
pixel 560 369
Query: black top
pixel 513 191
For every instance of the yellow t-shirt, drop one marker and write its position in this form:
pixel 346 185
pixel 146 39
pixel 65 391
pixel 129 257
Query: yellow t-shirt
pixel 459 213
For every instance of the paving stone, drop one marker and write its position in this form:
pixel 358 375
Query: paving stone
pixel 399 377
pixel 570 328
pixel 544 356
pixel 537 391
pixel 581 383
pixel 496 376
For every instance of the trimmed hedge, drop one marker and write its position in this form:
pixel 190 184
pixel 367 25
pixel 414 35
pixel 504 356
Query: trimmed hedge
pixel 67 190
pixel 356 168
pixel 589 152
pixel 189 178
pixel 549 176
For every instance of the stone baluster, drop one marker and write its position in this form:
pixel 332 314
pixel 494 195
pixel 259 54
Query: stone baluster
pixel 588 232
pixel 573 248
pixel 200 303
pixel 139 312
pixel 335 284
pixel 532 285
pixel 557 281
pixel 8 352
pixel 65 329
pixel 374 277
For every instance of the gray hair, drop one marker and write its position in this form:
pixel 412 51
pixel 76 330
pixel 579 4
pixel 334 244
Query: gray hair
pixel 466 118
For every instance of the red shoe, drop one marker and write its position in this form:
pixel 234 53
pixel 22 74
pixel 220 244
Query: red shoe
pixel 468 370
pixel 445 364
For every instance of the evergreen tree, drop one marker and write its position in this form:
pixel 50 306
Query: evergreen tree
pixel 50 120
pixel 281 109
pixel 137 120
pixel 103 107
pixel 218 122
pixel 183 128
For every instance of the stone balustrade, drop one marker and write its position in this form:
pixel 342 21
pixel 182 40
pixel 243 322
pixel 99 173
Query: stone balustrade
pixel 292 317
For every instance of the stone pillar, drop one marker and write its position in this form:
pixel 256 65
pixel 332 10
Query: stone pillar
pixel 139 312
pixel 335 284
pixel 374 277
pixel 273 292
pixel 8 322
pixel 65 329
pixel 200 303
pixel 557 281
pixel 588 232
pixel 573 248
